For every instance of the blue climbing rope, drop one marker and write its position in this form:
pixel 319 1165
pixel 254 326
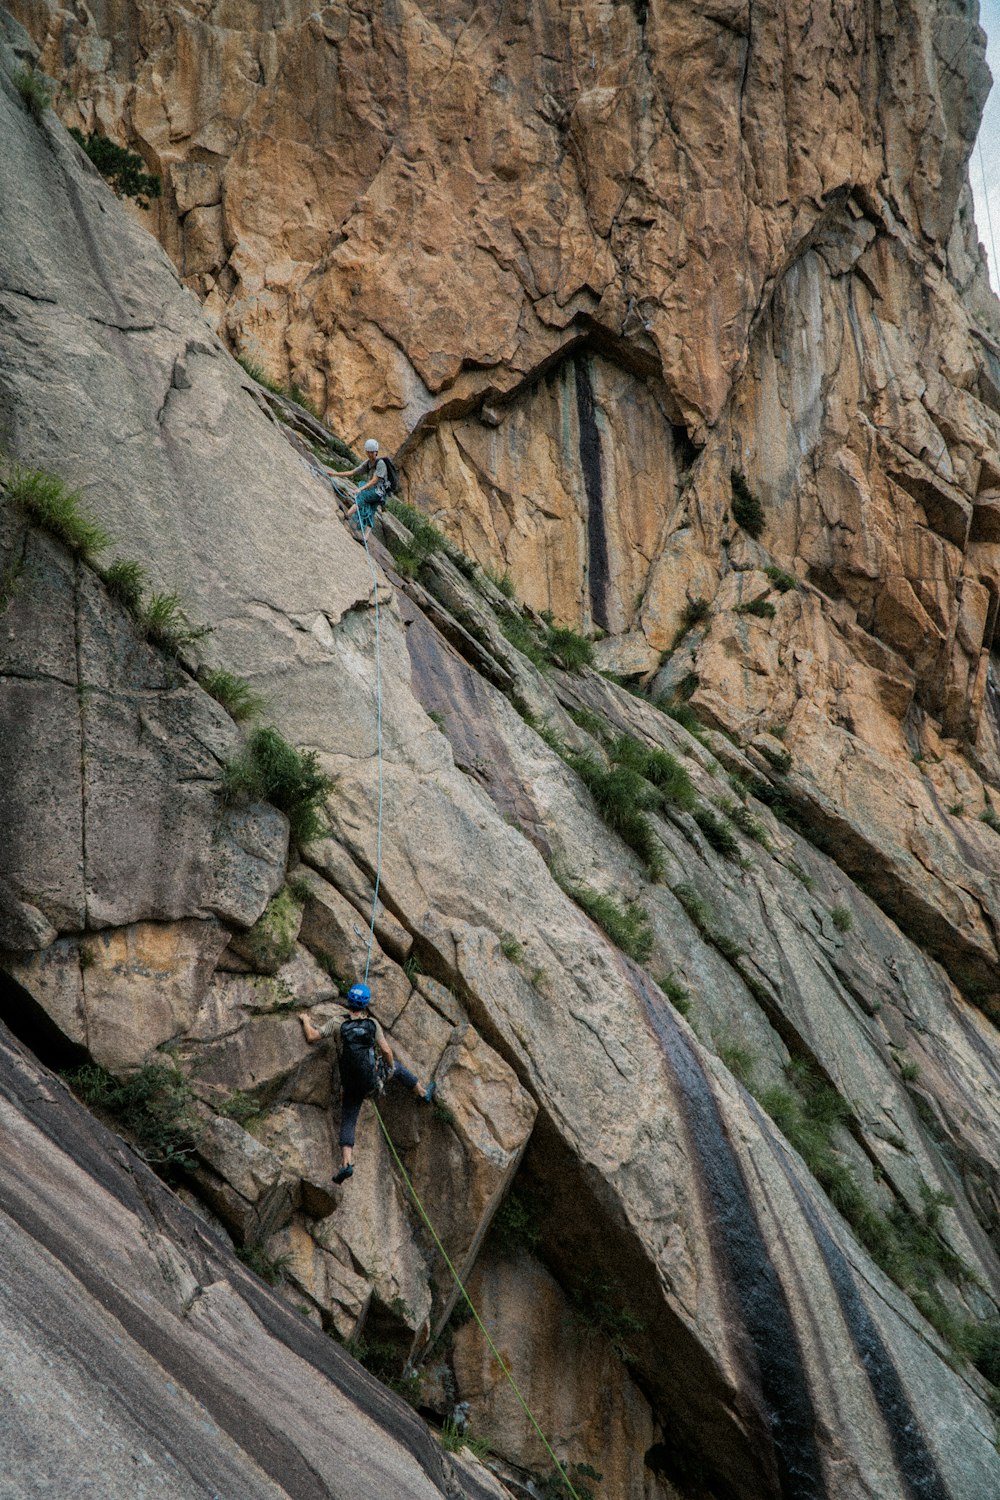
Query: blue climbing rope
pixel 378 702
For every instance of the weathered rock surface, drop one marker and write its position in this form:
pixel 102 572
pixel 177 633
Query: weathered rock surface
pixel 131 827
pixel 772 1341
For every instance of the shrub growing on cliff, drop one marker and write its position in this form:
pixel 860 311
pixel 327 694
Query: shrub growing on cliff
pixel 35 93
pixel 270 1268
pixel 783 582
pixel 761 607
pixel 154 1108
pixel 515 1225
pixel 747 509
pixel 48 504
pixel 269 769
pixel 123 171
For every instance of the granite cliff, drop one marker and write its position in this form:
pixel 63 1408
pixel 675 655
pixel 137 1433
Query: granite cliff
pixel 655 270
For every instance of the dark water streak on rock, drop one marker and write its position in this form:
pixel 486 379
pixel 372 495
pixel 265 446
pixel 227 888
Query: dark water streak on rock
pixel 917 1467
pixel 780 1373
pixel 598 567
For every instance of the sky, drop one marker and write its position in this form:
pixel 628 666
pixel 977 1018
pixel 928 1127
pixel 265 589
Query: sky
pixel 984 168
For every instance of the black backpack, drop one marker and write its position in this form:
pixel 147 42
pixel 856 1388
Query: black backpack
pixel 392 477
pixel 359 1070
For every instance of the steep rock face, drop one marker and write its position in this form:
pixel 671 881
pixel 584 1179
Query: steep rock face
pixel 589 268
pixel 768 1334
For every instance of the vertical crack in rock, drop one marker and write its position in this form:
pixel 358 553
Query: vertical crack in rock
pixel 780 1374
pixel 598 569
pixel 916 1463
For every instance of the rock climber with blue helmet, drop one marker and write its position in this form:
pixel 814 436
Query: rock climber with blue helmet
pixel 362 1072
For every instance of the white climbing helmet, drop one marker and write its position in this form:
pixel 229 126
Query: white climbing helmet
pixel 371 446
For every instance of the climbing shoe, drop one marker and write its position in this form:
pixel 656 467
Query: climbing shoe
pixel 343 1175
pixel 429 1092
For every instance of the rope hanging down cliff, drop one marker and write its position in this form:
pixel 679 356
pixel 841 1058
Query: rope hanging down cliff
pixel 560 1468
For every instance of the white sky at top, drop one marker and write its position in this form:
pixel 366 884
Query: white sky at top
pixel 984 168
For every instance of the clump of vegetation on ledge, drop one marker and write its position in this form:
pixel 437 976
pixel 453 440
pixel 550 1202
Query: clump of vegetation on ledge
pixel 234 693
pixel 49 504
pixel 35 94
pixel 154 1108
pixel 269 769
pixel 627 926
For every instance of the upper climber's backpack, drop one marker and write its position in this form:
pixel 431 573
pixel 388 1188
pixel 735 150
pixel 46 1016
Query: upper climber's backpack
pixel 359 1070
pixel 392 477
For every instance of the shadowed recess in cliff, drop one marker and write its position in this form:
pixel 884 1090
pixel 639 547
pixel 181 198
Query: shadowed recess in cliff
pixel 778 1370
pixel 916 1463
pixel 598 566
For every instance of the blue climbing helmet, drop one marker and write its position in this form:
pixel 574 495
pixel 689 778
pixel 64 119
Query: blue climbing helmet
pixel 358 996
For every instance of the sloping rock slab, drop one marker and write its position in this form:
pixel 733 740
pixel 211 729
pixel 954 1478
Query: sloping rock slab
pixel 138 1358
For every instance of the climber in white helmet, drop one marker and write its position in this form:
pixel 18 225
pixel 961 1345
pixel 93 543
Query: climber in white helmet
pixel 373 488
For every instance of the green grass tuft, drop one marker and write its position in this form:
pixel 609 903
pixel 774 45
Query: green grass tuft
pixel 48 504
pixel 747 509
pixel 627 926
pixel 166 623
pixel 658 767
pixel 622 795
pixel 511 949
pixel 524 638
pixel 583 718
pixel 800 874
pixel 717 832
pixel 568 648
pixel 126 581
pixel 241 1107
pixel 738 1059
pixel 234 693
pixel 501 581
pixel 842 919
pixel 269 769
pixel 748 824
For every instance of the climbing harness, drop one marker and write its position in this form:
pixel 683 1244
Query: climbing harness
pixel 365 528
pixel 472 1308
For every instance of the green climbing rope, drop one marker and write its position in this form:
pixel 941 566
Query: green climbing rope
pixel 472 1307
pixel 406 1176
